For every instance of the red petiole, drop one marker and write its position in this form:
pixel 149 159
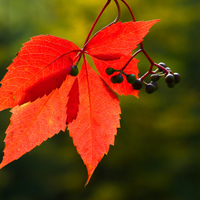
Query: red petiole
pixel 94 24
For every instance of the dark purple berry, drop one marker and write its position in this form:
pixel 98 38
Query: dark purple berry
pixel 170 85
pixel 131 78
pixel 177 77
pixel 169 79
pixel 163 64
pixel 150 88
pixel 155 84
pixel 155 77
pixel 110 71
pixel 137 85
pixel 119 78
pixel 113 79
pixel 74 71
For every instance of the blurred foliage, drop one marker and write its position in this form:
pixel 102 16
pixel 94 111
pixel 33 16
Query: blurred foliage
pixel 157 150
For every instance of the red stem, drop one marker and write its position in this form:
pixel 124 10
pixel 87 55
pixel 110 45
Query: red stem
pixel 131 12
pixel 131 59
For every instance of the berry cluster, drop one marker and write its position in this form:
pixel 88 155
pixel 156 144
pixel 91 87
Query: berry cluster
pixel 162 70
pixel 131 78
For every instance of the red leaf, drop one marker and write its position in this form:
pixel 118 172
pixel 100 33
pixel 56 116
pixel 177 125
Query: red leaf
pixel 97 121
pixel 44 100
pixel 123 88
pixel 40 67
pixel 118 39
pixel 33 123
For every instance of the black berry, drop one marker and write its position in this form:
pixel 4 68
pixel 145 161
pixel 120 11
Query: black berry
pixel 150 88
pixel 131 78
pixel 155 77
pixel 177 77
pixel 110 71
pixel 137 85
pixel 74 71
pixel 169 79
pixel 170 85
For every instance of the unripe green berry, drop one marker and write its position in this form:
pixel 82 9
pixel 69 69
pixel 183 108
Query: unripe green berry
pixel 137 85
pixel 74 71
pixel 131 78
pixel 169 79
pixel 110 71
pixel 177 77
pixel 150 88
pixel 155 77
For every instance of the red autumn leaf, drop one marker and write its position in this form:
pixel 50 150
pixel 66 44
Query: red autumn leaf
pixel 118 39
pixel 41 66
pixel 33 123
pixel 46 99
pixel 95 127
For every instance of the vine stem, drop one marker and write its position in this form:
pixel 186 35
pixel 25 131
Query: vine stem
pixel 96 20
pixel 91 30
pixel 116 19
pixel 131 12
pixel 94 24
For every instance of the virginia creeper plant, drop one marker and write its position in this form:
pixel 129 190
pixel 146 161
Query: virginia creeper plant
pixel 47 93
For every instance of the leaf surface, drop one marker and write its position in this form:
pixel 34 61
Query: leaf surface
pixel 118 39
pixel 34 122
pixel 95 127
pixel 40 67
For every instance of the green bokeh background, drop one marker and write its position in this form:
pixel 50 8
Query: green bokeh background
pixel 157 150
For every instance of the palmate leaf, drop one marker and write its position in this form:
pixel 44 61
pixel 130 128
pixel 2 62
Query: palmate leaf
pixel 45 99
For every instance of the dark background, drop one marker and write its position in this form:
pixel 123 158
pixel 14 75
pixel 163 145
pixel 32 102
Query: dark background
pixel 157 150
